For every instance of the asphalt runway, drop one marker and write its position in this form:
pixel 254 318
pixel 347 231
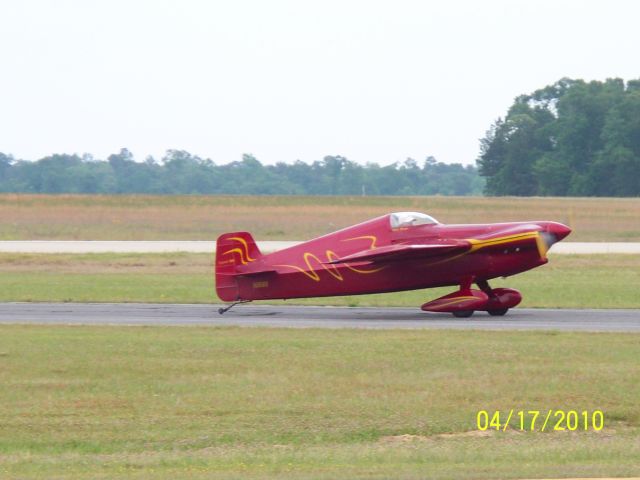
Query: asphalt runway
pixel 314 317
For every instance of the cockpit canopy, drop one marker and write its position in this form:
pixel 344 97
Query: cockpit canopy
pixel 410 219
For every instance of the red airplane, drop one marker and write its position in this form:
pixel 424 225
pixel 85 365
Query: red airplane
pixel 395 252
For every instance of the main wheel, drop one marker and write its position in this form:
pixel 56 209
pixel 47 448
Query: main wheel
pixel 498 312
pixel 463 313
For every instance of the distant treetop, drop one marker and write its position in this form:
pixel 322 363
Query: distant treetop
pixel 180 172
pixel 570 138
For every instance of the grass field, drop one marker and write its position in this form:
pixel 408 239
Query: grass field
pixel 190 402
pixel 568 281
pixel 183 402
pixel 95 217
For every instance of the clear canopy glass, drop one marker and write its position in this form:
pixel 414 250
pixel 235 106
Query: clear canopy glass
pixel 410 219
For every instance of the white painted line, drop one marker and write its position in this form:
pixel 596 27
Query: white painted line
pixel 595 247
pixel 194 246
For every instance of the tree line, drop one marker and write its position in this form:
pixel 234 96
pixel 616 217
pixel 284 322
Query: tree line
pixel 180 172
pixel 571 138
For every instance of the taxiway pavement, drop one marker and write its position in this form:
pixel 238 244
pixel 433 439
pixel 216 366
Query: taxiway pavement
pixel 201 246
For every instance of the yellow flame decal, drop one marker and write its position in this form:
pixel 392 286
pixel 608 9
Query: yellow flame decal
pixel 311 273
pixel 245 258
pixel 332 269
pixel 331 256
pixel 246 247
pixel 239 252
pixel 372 238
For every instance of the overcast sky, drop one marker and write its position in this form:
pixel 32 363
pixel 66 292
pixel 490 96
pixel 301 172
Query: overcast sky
pixel 286 80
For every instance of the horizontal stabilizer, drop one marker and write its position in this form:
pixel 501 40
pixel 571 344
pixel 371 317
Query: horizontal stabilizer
pixel 405 252
pixel 250 270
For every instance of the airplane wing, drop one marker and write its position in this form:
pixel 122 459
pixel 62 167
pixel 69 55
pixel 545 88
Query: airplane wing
pixel 406 251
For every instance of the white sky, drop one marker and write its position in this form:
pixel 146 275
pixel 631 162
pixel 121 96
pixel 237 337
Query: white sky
pixel 286 80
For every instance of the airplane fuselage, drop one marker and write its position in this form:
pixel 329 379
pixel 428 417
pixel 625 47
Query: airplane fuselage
pixel 305 270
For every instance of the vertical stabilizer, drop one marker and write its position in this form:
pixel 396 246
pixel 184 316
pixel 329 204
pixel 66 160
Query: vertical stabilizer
pixel 233 250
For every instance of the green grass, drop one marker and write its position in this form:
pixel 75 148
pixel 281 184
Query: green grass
pixel 574 281
pixel 173 402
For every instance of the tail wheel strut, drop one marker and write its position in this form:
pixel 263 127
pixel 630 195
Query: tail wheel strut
pixel 223 310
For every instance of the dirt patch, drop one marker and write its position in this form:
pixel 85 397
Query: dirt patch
pixel 409 438
pixel 469 434
pixel 405 438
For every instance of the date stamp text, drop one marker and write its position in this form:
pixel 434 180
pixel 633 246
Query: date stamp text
pixel 540 420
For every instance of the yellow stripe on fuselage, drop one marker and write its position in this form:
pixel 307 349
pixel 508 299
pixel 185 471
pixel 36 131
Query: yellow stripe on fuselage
pixel 492 242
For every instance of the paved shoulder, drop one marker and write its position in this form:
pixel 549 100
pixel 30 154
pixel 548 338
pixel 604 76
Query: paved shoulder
pixel 314 317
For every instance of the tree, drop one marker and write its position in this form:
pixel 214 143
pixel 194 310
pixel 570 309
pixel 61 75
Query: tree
pixel 5 164
pixel 511 148
pixel 570 138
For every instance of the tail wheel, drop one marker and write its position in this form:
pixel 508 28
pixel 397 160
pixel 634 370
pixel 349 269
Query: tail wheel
pixel 463 313
pixel 498 312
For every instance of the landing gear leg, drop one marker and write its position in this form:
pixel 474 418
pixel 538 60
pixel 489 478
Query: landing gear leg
pixel 223 310
pixel 486 288
pixel 465 284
